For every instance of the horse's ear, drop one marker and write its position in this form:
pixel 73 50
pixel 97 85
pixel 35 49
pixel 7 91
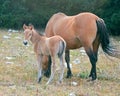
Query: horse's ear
pixel 25 26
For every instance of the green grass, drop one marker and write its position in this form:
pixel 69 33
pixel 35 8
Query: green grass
pixel 19 78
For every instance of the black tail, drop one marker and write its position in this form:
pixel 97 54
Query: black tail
pixel 104 39
pixel 62 47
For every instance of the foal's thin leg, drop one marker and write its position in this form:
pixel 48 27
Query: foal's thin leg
pixel 52 70
pixel 48 72
pixel 39 59
pixel 62 66
pixel 67 58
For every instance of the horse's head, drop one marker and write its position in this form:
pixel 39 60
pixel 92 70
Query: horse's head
pixel 27 33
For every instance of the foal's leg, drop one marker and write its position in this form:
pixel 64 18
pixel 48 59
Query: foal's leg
pixel 93 60
pixel 67 58
pixel 39 59
pixel 48 72
pixel 62 66
pixel 52 69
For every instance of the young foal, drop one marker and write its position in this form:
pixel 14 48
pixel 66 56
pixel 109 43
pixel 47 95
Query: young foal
pixel 44 46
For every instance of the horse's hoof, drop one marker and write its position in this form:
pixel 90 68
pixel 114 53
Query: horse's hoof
pixel 89 79
pixel 69 76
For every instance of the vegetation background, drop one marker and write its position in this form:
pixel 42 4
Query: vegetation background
pixel 14 13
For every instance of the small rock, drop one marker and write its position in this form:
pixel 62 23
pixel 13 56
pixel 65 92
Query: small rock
pixel 19 38
pixel 15 31
pixel 76 61
pixel 82 51
pixel 10 30
pixel 9 58
pixel 6 37
pixel 72 94
pixel 12 87
pixel 74 83
pixel 9 63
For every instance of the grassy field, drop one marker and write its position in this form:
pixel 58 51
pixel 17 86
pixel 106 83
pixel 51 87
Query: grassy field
pixel 18 72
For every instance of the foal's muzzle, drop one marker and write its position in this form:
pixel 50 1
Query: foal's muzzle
pixel 25 42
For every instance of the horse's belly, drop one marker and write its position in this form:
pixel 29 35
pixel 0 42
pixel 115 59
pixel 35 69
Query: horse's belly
pixel 73 46
pixel 73 43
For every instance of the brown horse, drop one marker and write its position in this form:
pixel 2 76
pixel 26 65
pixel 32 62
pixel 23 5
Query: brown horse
pixel 44 46
pixel 83 30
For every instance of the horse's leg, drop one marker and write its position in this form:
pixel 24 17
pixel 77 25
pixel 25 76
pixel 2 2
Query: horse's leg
pixel 67 58
pixel 39 59
pixel 62 66
pixel 93 60
pixel 52 69
pixel 95 50
pixel 48 72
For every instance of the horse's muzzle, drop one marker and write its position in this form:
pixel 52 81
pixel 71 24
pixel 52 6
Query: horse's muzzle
pixel 25 42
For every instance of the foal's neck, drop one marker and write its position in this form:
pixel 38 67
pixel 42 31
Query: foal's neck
pixel 36 37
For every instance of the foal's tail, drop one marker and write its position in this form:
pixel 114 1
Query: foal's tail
pixel 62 47
pixel 104 39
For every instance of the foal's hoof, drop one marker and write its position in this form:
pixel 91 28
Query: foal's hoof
pixel 47 74
pixel 69 76
pixel 39 80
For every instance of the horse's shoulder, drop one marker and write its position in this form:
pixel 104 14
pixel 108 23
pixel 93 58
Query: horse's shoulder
pixel 55 18
pixel 58 15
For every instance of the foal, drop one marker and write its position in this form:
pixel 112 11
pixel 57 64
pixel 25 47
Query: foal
pixel 44 46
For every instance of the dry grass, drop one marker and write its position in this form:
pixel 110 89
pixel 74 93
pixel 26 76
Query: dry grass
pixel 18 73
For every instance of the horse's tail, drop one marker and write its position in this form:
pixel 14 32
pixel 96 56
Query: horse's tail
pixel 62 47
pixel 104 39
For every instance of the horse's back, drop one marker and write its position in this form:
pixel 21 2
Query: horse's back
pixel 76 30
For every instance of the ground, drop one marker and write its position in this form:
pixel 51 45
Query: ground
pixel 18 72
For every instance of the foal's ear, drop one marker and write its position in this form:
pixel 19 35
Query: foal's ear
pixel 31 27
pixel 25 26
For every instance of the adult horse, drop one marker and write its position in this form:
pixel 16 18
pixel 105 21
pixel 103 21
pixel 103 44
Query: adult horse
pixel 82 30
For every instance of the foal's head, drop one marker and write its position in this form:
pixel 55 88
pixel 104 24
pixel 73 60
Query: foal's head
pixel 27 33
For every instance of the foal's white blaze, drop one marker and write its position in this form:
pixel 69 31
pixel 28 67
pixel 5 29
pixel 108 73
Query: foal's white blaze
pixel 25 41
